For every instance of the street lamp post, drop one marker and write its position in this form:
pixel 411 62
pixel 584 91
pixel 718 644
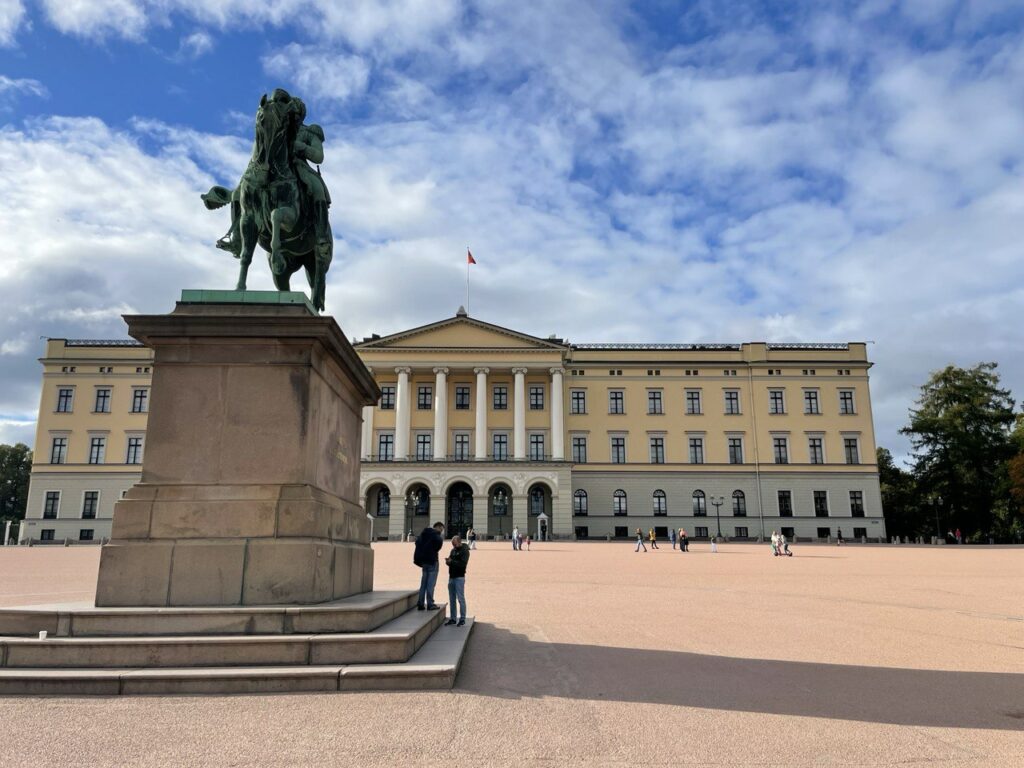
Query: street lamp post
pixel 411 500
pixel 936 503
pixel 718 502
pixel 500 502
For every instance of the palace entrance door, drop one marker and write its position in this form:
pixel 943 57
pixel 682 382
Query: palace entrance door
pixel 460 509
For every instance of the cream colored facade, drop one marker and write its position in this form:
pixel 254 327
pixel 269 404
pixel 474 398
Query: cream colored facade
pixel 486 427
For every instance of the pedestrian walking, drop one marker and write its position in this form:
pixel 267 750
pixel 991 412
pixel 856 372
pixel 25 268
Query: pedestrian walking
pixel 471 537
pixel 639 541
pixel 515 538
pixel 672 537
pixel 654 539
pixel 839 537
pixel 428 544
pixel 958 539
pixel 785 545
pixel 775 544
pixel 457 561
pixel 528 540
pixel 684 543
pixel 714 544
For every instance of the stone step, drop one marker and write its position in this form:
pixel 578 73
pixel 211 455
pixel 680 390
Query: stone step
pixel 434 666
pixel 395 641
pixel 359 613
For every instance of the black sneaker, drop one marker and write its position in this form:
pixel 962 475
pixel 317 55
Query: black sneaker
pixel 433 607
pixel 449 622
pixel 420 608
pixel 462 623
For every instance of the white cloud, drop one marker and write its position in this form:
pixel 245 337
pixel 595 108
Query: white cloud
pixel 318 73
pixel 12 14
pixel 98 18
pixel 10 86
pixel 195 45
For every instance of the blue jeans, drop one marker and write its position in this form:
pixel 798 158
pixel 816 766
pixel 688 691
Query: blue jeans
pixel 427 581
pixel 457 591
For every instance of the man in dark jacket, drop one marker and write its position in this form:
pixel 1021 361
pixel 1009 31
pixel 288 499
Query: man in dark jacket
pixel 428 545
pixel 457 561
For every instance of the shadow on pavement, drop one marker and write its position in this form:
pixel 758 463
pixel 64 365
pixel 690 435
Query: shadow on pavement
pixel 505 664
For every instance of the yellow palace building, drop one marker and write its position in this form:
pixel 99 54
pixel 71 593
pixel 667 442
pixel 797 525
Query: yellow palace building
pixel 490 428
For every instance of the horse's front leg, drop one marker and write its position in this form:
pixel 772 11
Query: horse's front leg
pixel 249 232
pixel 281 219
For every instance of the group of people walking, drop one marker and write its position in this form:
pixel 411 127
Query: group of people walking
pixel 779 545
pixel 428 544
pixel 652 537
pixel 518 540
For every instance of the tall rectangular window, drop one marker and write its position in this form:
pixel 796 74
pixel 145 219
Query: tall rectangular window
pixel 65 400
pixel 385 447
pixel 657 450
pixel 536 398
pixel 102 400
pixel 59 450
pixel 134 451
pixel 462 398
pixel 579 450
pixel 51 505
pixel 654 404
pixel 846 402
pixel 616 401
pixel 140 400
pixel 90 501
pixel 499 446
pixel 424 398
pixel 696 450
pixel 735 450
pixel 618 450
pixel 732 401
pixel 776 401
pixel 785 504
pixel 815 450
pixel 693 402
pixel 821 504
pixel 852 450
pixel 856 503
pixel 536 447
pixel 97 449
pixel 811 404
pixel 461 447
pixel 387 397
pixel 424 447
pixel 578 401
pixel 780 447
pixel 499 400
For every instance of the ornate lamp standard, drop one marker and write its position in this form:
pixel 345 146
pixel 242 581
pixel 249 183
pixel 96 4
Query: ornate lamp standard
pixel 936 503
pixel 500 503
pixel 718 502
pixel 411 500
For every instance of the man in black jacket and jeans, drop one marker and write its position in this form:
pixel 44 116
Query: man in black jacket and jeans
pixel 428 545
pixel 457 561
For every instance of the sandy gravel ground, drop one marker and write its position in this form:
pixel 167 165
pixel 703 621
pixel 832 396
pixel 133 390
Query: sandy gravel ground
pixel 590 654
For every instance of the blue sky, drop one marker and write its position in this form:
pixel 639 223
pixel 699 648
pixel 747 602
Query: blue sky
pixel 656 171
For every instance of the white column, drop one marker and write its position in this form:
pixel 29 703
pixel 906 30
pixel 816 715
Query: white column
pixel 519 433
pixel 481 414
pixel 557 425
pixel 367 433
pixel 440 413
pixel 402 415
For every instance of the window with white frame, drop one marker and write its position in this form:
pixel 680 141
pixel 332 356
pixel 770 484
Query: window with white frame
pixel 846 405
pixel 739 504
pixel 776 401
pixel 499 397
pixel 696 450
pixel 461 446
pixel 462 398
pixel 424 447
pixel 59 450
pixel 424 398
pixel 387 397
pixel 134 453
pixel 537 447
pixel 51 505
pixel 616 401
pixel 90 503
pixel 140 400
pixel 579 450
pixel 499 446
pixel 654 403
pixel 780 449
pixel 537 397
pixel 65 400
pixel 619 506
pixel 97 449
pixel 578 401
pixel 732 402
pixel 693 402
pixel 659 503
pixel 811 403
pixel 618 450
pixel 816 450
pixel 386 446
pixel 579 503
pixel 657 450
pixel 857 503
pixel 700 504
pixel 852 450
pixel 821 503
pixel 735 450
pixel 785 503
pixel 102 400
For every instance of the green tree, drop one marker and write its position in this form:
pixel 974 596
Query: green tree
pixel 961 433
pixel 15 467
pixel 903 513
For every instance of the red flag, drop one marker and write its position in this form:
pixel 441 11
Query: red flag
pixel 469 257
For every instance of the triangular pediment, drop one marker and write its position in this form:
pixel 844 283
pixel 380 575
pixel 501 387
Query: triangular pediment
pixel 460 332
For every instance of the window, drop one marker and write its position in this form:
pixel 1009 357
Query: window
pixel 424 447
pixel 582 532
pixel 134 451
pixel 536 500
pixel 700 504
pixel 815 450
pixel 387 397
pixel 579 450
pixel 51 505
pixel 824 533
pixel 578 401
pixel 789 533
pixel 65 400
pixel 860 533
pixel 735 450
pixel 97 449
pixel 785 504
pixel 383 503
pixel 696 450
pixel 821 504
pixel 422 499
pixel 621 532
pixel 661 531
pixel 385 447
pixel 59 450
pixel 811 404
pixel 780 447
pixel 462 398
pixel 424 398
pixel 46 534
pixel 654 401
pixel 732 401
pixel 102 400
pixel 741 532
pixel 499 401
pixel 536 398
pixel 536 447
pixel 90 500
pixel 461 447
pixel 85 534
pixel 856 503
pixel 659 503
pixel 579 503
pixel 776 401
pixel 693 402
pixel 140 400
pixel 616 401
pixel 739 504
pixel 619 503
pixel 618 450
pixel 657 450
pixel 846 402
pixel 700 532
pixel 499 447
pixel 851 450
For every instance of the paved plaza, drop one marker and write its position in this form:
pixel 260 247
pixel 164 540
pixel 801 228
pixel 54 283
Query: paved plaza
pixel 591 654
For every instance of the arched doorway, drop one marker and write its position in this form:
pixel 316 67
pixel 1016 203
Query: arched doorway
pixel 378 507
pixel 460 509
pixel 417 508
pixel 499 502
pixel 538 504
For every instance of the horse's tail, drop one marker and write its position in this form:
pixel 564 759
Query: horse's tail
pixel 216 198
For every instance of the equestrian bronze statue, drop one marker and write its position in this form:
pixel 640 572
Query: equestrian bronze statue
pixel 281 202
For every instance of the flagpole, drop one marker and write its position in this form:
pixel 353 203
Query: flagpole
pixel 467 280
